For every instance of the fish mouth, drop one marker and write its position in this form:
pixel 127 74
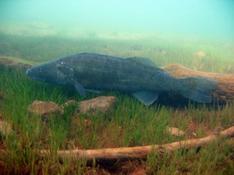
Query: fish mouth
pixel 29 74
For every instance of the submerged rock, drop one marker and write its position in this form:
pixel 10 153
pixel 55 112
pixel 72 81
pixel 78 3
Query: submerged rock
pixel 175 131
pixel 44 108
pixel 98 104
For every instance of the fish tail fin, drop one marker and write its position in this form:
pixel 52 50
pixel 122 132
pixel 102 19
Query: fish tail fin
pixel 197 89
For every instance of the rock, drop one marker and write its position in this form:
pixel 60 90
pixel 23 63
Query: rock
pixel 175 131
pixel 98 104
pixel 44 108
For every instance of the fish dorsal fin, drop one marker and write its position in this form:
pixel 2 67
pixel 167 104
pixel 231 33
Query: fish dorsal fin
pixel 146 97
pixel 142 60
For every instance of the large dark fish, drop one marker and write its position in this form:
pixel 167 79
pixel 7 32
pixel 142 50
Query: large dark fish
pixel 136 76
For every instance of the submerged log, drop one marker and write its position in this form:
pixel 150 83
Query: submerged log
pixel 224 91
pixel 137 152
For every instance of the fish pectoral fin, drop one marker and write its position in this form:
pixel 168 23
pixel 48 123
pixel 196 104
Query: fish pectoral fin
pixel 79 88
pixel 146 97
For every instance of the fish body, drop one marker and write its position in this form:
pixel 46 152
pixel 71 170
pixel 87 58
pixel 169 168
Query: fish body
pixel 134 75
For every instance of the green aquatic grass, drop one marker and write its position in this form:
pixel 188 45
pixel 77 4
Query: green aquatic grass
pixel 214 159
pixel 129 123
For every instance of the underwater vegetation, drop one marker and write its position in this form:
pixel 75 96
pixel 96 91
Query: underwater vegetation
pixel 128 123
pixel 74 83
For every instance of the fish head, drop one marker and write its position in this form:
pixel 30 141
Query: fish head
pixel 48 72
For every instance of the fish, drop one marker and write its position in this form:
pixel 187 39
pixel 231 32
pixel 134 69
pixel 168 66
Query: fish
pixel 136 76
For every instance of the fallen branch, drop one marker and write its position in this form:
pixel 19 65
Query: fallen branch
pixel 138 151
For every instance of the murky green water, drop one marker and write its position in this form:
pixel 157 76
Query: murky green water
pixel 195 33
pixel 194 18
